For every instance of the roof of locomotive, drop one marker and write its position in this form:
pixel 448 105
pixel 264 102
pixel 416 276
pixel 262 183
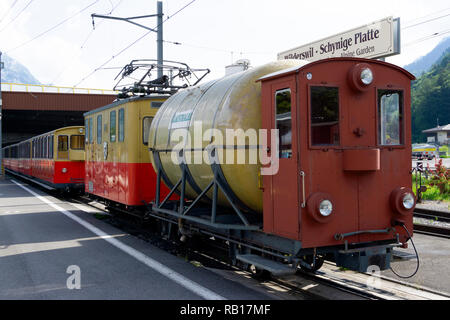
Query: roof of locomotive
pixel 296 69
pixel 124 101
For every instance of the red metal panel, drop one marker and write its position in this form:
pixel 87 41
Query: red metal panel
pixel 126 183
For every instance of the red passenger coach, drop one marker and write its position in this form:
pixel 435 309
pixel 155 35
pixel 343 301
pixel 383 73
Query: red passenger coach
pixel 55 159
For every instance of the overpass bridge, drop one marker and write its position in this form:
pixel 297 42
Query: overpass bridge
pixel 30 110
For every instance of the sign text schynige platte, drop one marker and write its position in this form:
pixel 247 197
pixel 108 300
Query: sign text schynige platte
pixel 376 40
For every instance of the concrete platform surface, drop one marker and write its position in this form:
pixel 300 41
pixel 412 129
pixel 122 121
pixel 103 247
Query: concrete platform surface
pixel 49 248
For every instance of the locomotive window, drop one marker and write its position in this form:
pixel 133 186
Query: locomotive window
pixel 63 147
pixel 112 126
pixel 63 143
pixel 45 147
pixel 146 123
pixel 121 125
pixel 156 104
pixel 99 129
pixel 77 142
pixel 52 137
pixel 91 131
pixel 284 122
pixel 324 116
pixel 390 115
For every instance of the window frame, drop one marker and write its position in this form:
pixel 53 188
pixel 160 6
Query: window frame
pixel 110 126
pixel 309 120
pixel 276 92
pixel 402 122
pixel 121 134
pixel 99 135
pixel 70 142
pixel 91 131
pixel 143 129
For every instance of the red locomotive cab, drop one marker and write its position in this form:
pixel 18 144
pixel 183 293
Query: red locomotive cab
pixel 344 174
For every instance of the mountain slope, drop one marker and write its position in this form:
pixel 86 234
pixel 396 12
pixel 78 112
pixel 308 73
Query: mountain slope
pixel 431 98
pixel 15 72
pixel 423 64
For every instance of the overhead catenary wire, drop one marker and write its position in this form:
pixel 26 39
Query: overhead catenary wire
pixel 426 21
pixel 131 44
pixel 113 8
pixel 54 27
pixel 9 10
pixel 431 36
pixel 18 15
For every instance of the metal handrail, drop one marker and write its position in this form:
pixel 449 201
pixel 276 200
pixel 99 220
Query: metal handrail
pixel 9 86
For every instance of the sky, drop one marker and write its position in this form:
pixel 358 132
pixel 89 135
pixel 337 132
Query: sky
pixel 56 41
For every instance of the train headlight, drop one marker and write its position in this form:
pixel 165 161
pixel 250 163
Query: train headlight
pixel 320 207
pixel 64 170
pixel 408 201
pixel 402 201
pixel 366 76
pixel 326 208
pixel 361 76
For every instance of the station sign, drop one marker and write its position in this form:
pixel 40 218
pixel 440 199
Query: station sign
pixel 375 40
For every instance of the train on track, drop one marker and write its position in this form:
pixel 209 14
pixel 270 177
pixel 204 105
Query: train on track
pixel 287 164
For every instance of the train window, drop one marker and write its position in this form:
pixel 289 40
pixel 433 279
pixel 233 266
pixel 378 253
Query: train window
pixel 146 123
pixel 284 122
pixel 63 147
pixel 91 131
pixel 99 129
pixel 390 115
pixel 45 144
pixel 77 142
pixel 324 116
pixel 50 141
pixel 121 125
pixel 112 126
pixel 156 104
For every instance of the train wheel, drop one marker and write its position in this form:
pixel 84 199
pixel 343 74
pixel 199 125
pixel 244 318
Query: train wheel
pixel 309 265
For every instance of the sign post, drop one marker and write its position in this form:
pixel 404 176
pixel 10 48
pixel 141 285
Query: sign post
pixel 375 40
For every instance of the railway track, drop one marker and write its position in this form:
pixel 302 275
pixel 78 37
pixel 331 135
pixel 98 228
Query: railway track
pixel 432 222
pixel 327 283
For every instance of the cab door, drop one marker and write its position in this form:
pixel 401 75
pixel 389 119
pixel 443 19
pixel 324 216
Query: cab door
pixel 281 188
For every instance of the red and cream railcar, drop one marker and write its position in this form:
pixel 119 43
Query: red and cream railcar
pixel 54 159
pixel 118 167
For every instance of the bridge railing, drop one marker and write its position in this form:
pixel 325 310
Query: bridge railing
pixel 20 87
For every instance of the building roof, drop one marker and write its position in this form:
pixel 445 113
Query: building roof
pixel 438 129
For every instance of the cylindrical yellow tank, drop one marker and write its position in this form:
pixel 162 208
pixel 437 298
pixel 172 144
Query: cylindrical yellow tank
pixel 233 102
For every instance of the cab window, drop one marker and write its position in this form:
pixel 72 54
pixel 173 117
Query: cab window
pixel 121 125
pixel 77 142
pixel 99 129
pixel 112 126
pixel 283 122
pixel 324 116
pixel 390 117
pixel 91 130
pixel 146 123
pixel 63 147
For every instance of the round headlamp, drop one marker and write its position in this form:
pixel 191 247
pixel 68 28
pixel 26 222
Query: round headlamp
pixel 64 170
pixel 325 208
pixel 366 76
pixel 408 201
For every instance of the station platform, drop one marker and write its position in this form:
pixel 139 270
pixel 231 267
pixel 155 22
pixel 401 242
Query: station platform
pixel 50 249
